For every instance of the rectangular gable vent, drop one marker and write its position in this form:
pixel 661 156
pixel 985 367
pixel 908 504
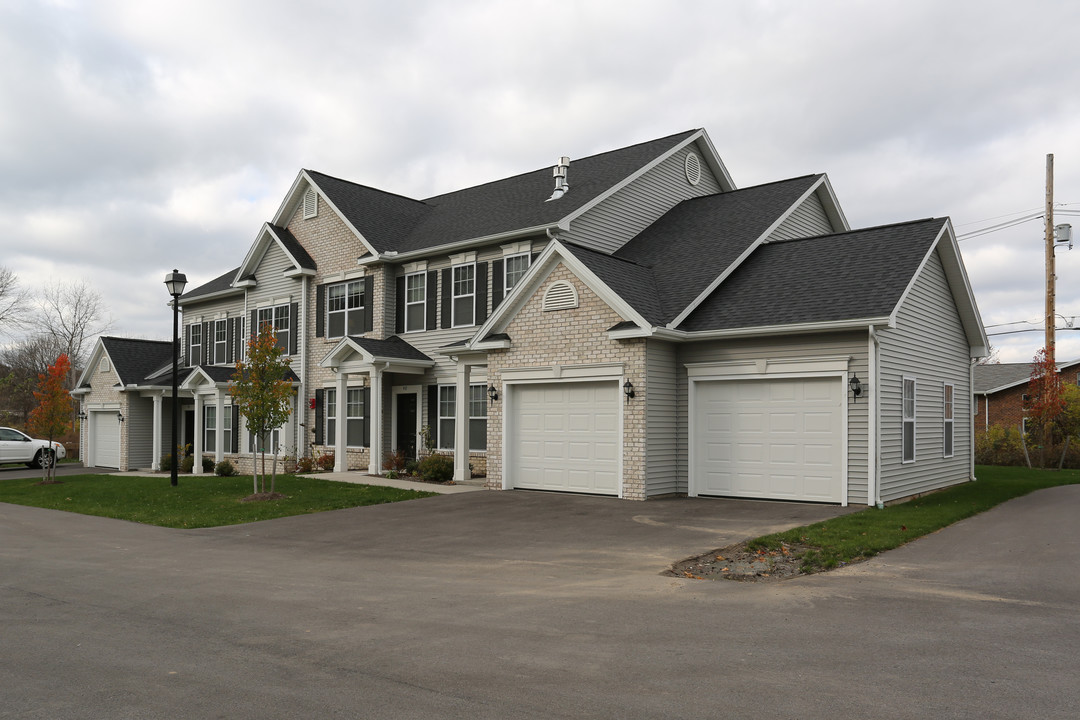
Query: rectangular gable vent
pixel 311 204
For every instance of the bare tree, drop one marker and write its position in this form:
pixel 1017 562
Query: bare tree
pixel 13 305
pixel 71 315
pixel 20 365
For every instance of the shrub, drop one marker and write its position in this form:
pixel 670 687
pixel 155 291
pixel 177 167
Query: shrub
pixel 436 468
pixel 187 464
pixel 207 464
pixel 999 446
pixel 304 465
pixel 326 461
pixel 166 463
pixel 224 469
pixel 411 466
pixel 395 462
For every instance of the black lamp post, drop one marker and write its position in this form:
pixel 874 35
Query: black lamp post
pixel 175 281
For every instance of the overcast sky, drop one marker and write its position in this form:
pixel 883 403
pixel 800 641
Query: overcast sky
pixel 137 136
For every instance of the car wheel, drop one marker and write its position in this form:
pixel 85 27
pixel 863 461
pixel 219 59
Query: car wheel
pixel 43 459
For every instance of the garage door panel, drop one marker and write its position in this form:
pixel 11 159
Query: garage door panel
pixel 575 447
pixel 106 439
pixel 769 438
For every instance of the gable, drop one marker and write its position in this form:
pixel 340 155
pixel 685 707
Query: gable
pixel 807 219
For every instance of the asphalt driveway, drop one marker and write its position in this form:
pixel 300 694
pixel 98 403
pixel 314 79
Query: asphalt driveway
pixel 507 605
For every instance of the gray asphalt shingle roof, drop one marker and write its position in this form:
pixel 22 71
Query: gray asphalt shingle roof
pixel 997 376
pixel 221 282
pixel 134 359
pixel 394 222
pixel 843 276
pixel 391 347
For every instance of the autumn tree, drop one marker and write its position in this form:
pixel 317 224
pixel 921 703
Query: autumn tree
pixel 50 418
pixel 262 394
pixel 1046 401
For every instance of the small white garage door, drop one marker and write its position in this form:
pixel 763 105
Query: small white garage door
pixel 775 439
pixel 565 436
pixel 106 440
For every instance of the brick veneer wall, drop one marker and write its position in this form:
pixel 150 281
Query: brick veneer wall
pixel 572 337
pixel 1003 408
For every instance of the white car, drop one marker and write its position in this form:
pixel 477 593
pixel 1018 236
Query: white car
pixel 18 447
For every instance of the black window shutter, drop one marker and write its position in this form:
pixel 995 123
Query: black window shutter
pixel 399 306
pixel 319 416
pixel 294 328
pixel 481 292
pixel 447 288
pixel 496 283
pixel 367 417
pixel 207 346
pixel 235 429
pixel 253 329
pixel 433 413
pixel 532 260
pixel 431 284
pixel 230 340
pixel 187 345
pixel 320 310
pixel 369 304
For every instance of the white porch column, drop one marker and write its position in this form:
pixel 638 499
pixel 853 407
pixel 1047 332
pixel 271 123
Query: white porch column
pixel 461 424
pixel 219 429
pixel 155 463
pixel 196 468
pixel 375 413
pixel 341 461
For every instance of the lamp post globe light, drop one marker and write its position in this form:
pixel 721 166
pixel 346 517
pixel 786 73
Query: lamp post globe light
pixel 175 282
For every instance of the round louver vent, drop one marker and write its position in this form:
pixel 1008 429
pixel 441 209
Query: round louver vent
pixel 693 169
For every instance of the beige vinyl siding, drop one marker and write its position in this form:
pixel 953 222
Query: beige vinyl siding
pixel 614 222
pixel 807 220
pixel 928 343
pixel 852 344
pixel 661 419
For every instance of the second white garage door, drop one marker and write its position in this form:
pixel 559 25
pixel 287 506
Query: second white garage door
pixel 775 439
pixel 565 436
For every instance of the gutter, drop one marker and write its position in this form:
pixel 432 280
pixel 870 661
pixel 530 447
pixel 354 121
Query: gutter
pixel 971 415
pixel 663 333
pixel 392 256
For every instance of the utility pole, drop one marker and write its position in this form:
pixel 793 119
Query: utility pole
pixel 1050 288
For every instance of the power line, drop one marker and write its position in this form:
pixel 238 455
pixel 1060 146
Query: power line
pixel 999 226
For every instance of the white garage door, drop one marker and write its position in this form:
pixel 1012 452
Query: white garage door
pixel 565 436
pixel 106 440
pixel 776 439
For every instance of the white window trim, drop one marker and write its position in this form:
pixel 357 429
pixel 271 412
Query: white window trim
pixel 220 356
pixel 210 429
pixel 285 308
pixel 328 439
pixel 422 301
pixel 454 297
pixel 948 412
pixel 196 327
pixel 483 395
pixel 349 417
pixel 452 417
pixel 347 309
pixel 904 419
pixel 506 274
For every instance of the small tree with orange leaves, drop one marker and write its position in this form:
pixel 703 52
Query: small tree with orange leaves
pixel 51 417
pixel 1047 400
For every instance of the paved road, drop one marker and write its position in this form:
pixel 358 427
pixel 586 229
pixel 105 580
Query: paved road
pixel 526 605
pixel 16 472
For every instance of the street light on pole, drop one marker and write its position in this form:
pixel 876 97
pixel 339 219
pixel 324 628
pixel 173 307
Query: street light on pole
pixel 175 282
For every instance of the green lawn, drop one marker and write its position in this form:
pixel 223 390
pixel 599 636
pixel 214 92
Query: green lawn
pixel 868 532
pixel 198 501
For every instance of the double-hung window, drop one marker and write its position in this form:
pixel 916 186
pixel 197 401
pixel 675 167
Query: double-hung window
pixel 227 436
pixel 345 309
pixel 195 345
pixel 947 410
pixel 330 398
pixel 415 301
pixel 354 417
pixel 221 344
pixel 908 431
pixel 464 295
pixel 515 268
pixel 278 318
pixel 477 417
pixel 210 424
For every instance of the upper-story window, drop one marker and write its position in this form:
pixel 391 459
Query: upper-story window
pixel 947 441
pixel 908 427
pixel 345 308
pixel 516 266
pixel 464 295
pixel 195 344
pixel 221 342
pixel 278 318
pixel 415 301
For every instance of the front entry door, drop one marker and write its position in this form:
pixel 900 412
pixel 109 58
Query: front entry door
pixel 406 424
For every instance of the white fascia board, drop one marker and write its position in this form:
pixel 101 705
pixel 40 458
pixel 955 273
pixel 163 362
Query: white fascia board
pixel 288 204
pixel 540 270
pixel 298 272
pixel 458 244
pixel 789 329
pixel 95 357
pixel 254 254
pixel 712 159
pixel 199 374
pixel 332 206
pixel 832 207
pixel 602 197
pixel 745 254
pixel 331 358
pixel 236 290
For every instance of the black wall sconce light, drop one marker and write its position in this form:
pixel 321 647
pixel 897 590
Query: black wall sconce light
pixel 119 416
pixel 856 386
pixel 628 389
pixel 82 416
pixel 493 394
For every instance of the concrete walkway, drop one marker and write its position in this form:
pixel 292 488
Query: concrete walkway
pixel 359 478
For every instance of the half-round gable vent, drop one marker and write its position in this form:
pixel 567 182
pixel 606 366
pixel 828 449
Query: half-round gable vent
pixel 560 295
pixel 311 203
pixel 693 169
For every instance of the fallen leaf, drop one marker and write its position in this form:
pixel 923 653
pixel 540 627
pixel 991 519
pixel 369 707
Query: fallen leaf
pixel 719 557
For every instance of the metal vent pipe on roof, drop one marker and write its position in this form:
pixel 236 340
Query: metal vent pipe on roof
pixel 559 173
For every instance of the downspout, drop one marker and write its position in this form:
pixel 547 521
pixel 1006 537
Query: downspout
pixel 873 449
pixel 971 437
pixel 301 392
